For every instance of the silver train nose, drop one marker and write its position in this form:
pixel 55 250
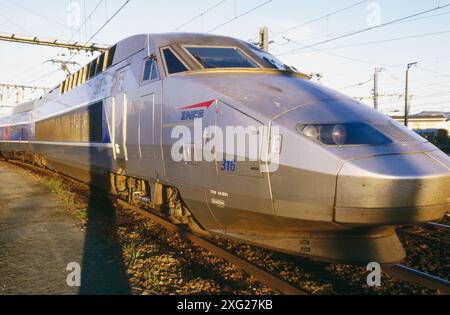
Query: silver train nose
pixel 393 189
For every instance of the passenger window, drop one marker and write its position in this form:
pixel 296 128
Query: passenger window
pixel 75 79
pixel 66 85
pixel 173 64
pixel 92 68
pixel 70 83
pixel 61 88
pixel 100 62
pixel 111 53
pixel 150 70
pixel 85 73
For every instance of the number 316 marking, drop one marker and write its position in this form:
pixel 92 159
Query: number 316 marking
pixel 228 166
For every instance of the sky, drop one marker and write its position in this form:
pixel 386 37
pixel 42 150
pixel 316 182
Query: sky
pixel 342 61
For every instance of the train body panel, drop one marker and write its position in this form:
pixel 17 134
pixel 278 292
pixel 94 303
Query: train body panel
pixel 330 178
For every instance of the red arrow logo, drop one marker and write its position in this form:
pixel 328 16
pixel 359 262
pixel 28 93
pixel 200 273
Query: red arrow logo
pixel 200 105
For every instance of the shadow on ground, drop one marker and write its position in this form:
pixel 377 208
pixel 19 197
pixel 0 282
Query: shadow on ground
pixel 103 268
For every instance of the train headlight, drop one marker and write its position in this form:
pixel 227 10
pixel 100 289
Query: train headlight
pixel 341 134
pixel 312 132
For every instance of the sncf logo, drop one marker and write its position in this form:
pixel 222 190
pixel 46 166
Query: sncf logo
pixel 196 111
pixel 192 115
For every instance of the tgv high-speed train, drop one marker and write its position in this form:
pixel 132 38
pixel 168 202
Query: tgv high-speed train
pixel 345 174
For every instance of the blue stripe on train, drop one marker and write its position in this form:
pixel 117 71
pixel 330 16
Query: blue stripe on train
pixel 15 133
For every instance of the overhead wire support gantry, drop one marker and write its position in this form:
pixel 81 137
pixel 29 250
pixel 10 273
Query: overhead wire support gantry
pixel 14 38
pixel 16 86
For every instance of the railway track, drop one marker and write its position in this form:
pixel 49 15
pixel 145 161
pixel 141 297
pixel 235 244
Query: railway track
pixel 399 272
pixel 440 226
pixel 271 281
pixel 264 277
pixel 414 276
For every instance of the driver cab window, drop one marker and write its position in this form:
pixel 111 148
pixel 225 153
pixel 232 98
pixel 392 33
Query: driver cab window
pixel 173 63
pixel 221 57
pixel 150 70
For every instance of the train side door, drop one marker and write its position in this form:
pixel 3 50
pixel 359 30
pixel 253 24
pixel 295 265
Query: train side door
pixel 150 119
pixel 240 200
pixel 119 104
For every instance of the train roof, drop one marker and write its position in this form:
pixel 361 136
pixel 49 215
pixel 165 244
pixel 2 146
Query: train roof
pixel 133 44
pixel 167 39
pixel 23 108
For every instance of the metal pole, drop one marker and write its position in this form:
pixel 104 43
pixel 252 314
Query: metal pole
pixel 410 65
pixel 375 89
pixel 406 99
pixel 264 38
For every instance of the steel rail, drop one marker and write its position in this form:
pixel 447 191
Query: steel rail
pixel 262 276
pixel 414 276
pixel 439 226
pixel 399 272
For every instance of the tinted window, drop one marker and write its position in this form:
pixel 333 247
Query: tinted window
pixel 111 54
pixel 210 57
pixel 100 62
pixel 276 64
pixel 82 125
pixel 92 68
pixel 150 71
pixel 173 64
pixel 75 79
pixel 269 61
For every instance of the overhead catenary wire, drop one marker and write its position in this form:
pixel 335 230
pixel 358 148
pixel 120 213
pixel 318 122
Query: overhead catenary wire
pixel 38 14
pixel 430 86
pixel 240 16
pixel 200 15
pixel 105 24
pixel 15 24
pixel 439 7
pixel 25 72
pixel 375 42
pixel 414 97
pixel 443 92
pixel 95 34
pixel 424 79
pixel 434 72
pixel 108 21
pixel 40 64
pixel 420 105
pixel 433 95
pixel 401 22
pixel 356 85
pixel 44 76
pixel 349 58
pixel 291 29
pixel 394 39
pixel 87 19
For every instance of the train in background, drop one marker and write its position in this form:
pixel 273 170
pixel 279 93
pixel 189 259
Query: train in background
pixel 347 174
pixel 438 137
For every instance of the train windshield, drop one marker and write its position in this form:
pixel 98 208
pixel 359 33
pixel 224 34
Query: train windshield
pixel 271 61
pixel 221 57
